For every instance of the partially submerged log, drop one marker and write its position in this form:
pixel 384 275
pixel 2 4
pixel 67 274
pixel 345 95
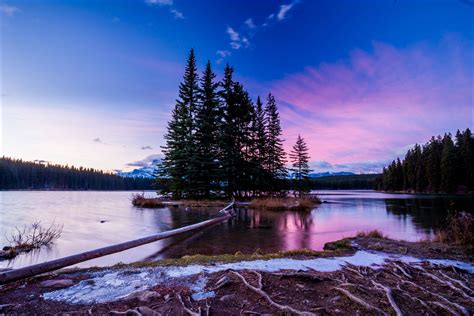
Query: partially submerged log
pixel 26 272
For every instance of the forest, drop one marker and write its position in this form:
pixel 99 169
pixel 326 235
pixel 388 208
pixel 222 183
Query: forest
pixel 16 174
pixel 218 142
pixel 442 165
pixel 345 182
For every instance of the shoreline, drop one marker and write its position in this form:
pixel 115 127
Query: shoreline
pixel 206 282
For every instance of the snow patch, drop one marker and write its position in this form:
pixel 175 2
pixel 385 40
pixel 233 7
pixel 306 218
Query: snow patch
pixel 111 285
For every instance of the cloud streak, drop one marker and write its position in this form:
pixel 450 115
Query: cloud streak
pixel 166 3
pixel 8 10
pixel 375 104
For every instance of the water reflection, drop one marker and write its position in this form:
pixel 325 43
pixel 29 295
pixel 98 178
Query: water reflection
pixel 345 213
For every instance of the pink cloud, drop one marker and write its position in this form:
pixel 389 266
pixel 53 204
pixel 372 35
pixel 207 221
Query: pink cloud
pixel 367 107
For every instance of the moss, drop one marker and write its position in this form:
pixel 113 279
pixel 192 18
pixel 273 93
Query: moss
pixel 339 245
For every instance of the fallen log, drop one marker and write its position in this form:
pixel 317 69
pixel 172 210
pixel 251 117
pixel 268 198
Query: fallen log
pixel 26 272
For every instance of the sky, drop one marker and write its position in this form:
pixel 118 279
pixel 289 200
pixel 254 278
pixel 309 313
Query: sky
pixel 92 83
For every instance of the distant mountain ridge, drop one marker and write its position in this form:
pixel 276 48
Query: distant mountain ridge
pixel 149 171
pixel 330 174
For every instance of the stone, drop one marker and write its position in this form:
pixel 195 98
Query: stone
pixel 57 283
pixel 144 296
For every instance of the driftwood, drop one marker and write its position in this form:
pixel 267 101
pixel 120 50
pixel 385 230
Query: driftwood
pixel 26 272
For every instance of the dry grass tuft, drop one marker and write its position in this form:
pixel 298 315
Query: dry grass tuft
pixel 459 230
pixel 285 203
pixel 139 200
pixel 372 234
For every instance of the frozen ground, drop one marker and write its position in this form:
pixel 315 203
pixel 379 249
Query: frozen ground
pixel 113 284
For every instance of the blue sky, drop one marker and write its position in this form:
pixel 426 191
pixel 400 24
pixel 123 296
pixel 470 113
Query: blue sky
pixel 92 82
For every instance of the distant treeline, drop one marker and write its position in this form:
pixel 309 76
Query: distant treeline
pixel 345 182
pixel 16 174
pixel 441 165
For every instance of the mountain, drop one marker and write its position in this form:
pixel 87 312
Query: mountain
pixel 330 174
pixel 147 171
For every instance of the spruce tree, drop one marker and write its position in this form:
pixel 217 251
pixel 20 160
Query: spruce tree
pixel 275 155
pixel 206 137
pixel 448 165
pixel 179 164
pixel 259 147
pixel 300 172
pixel 229 153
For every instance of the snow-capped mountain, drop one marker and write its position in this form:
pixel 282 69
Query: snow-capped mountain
pixel 142 172
pixel 330 174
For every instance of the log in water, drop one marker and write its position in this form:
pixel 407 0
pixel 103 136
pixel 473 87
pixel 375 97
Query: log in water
pixel 26 272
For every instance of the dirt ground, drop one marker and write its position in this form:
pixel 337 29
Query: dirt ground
pixel 396 288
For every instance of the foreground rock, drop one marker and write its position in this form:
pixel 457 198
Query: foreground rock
pixel 361 281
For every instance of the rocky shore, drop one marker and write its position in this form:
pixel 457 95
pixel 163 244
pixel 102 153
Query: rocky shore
pixel 361 275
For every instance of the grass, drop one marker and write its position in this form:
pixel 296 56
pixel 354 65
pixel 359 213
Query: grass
pixel 139 200
pixel 458 231
pixel 285 203
pixel 372 234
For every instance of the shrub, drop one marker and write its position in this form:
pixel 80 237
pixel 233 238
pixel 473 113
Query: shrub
pixel 34 236
pixel 139 200
pixel 458 231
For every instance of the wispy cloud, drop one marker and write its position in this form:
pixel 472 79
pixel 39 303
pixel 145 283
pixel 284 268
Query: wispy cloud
pixel 147 147
pixel 8 10
pixel 401 92
pixel 166 3
pixel 236 40
pixel 249 23
pixel 240 37
pixel 284 8
pixel 98 140
pixel 145 162
pixel 222 55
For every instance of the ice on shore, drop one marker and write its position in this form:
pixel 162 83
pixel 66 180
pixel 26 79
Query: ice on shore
pixel 113 284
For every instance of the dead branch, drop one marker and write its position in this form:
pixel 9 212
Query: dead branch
pixel 391 300
pixel 259 291
pixel 358 300
pixel 187 310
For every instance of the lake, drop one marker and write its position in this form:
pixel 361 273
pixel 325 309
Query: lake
pixel 95 219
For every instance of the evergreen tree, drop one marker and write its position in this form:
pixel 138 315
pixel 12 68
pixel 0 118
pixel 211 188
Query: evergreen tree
pixel 275 159
pixel 448 165
pixel 228 141
pixel 259 148
pixel 180 164
pixel 300 158
pixel 206 137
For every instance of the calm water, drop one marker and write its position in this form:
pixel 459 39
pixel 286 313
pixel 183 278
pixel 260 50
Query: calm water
pixel 407 217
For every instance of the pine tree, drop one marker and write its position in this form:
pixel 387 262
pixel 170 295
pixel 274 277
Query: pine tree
pixel 275 155
pixel 206 137
pixel 448 165
pixel 300 158
pixel 259 142
pixel 179 164
pixel 229 153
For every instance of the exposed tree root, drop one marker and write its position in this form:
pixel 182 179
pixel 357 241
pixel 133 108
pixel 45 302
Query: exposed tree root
pixel 391 300
pixel 358 300
pixel 301 275
pixel 456 281
pixel 403 271
pixel 259 291
pixel 447 283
